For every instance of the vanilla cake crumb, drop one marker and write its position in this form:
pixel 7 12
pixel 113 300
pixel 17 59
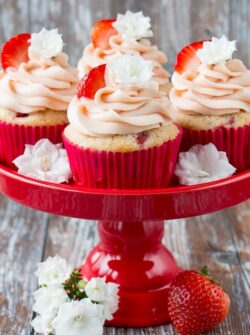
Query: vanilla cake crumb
pixel 123 143
pixel 205 122
pixel 40 118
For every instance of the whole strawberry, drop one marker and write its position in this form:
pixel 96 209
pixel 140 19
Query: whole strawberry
pixel 196 303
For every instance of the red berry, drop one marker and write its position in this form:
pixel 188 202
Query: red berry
pixel 196 303
pixel 15 51
pixel 101 32
pixel 187 58
pixel 92 82
pixel 141 137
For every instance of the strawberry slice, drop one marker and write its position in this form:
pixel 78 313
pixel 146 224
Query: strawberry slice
pixel 187 58
pixel 101 32
pixel 92 82
pixel 15 51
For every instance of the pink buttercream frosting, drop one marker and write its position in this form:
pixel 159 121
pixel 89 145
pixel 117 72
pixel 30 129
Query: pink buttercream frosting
pixel 116 110
pixel 38 85
pixel 93 57
pixel 219 89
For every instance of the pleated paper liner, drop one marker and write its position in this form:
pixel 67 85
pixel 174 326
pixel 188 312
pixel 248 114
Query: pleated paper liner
pixel 14 137
pixel 234 141
pixel 148 168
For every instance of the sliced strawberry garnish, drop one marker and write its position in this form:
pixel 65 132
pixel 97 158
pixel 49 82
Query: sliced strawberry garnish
pixel 92 82
pixel 187 59
pixel 15 51
pixel 101 32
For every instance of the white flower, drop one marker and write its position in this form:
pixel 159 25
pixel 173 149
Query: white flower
pixel 217 50
pixel 44 161
pixel 133 25
pixel 202 164
pixel 79 318
pixel 112 302
pixel 53 271
pixel 46 43
pixel 49 299
pixel 96 289
pixel 104 293
pixel 131 70
pixel 42 325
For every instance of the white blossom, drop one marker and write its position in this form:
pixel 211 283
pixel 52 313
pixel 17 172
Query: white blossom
pixel 217 50
pixel 42 325
pixel 111 303
pixel 79 318
pixel 53 271
pixel 131 70
pixel 59 315
pixel 133 25
pixel 104 293
pixel 46 43
pixel 45 161
pixel 201 164
pixel 96 289
pixel 49 299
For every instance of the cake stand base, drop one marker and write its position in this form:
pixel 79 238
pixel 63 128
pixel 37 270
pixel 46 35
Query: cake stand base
pixel 132 255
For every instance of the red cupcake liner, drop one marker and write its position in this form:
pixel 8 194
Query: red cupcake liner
pixel 149 168
pixel 14 137
pixel 234 141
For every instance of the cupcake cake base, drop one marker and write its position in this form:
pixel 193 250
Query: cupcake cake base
pixel 16 130
pixel 234 141
pixel 229 133
pixel 134 161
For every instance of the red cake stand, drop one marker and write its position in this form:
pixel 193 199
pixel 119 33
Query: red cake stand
pixel 130 251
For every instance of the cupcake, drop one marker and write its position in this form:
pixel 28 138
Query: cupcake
pixel 211 99
pixel 120 135
pixel 126 34
pixel 36 86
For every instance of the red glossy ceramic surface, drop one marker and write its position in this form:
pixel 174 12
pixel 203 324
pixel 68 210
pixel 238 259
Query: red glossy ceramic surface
pixel 132 254
pixel 126 205
pixel 130 251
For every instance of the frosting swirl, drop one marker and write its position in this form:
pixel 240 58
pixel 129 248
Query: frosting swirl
pixel 119 111
pixel 219 89
pixel 93 57
pixel 40 84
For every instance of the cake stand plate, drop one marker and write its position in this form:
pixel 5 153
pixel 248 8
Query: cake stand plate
pixel 130 251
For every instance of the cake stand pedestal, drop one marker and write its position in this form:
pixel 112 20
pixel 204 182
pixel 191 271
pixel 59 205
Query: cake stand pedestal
pixel 132 254
pixel 130 251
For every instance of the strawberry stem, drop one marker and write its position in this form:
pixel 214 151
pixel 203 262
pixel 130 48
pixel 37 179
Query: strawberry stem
pixel 204 270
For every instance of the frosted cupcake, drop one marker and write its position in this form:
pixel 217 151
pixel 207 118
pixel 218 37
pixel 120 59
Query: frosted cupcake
pixel 211 99
pixel 120 134
pixel 36 86
pixel 126 34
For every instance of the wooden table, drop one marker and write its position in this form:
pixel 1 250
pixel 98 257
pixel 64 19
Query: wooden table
pixel 220 240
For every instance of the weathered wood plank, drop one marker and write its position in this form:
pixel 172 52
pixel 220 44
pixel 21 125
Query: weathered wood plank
pixel 171 18
pixel 239 27
pixel 72 239
pixel 22 235
pixel 14 18
pixel 209 18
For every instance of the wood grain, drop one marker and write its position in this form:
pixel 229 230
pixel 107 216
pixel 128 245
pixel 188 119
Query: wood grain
pixel 220 240
pixel 22 233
